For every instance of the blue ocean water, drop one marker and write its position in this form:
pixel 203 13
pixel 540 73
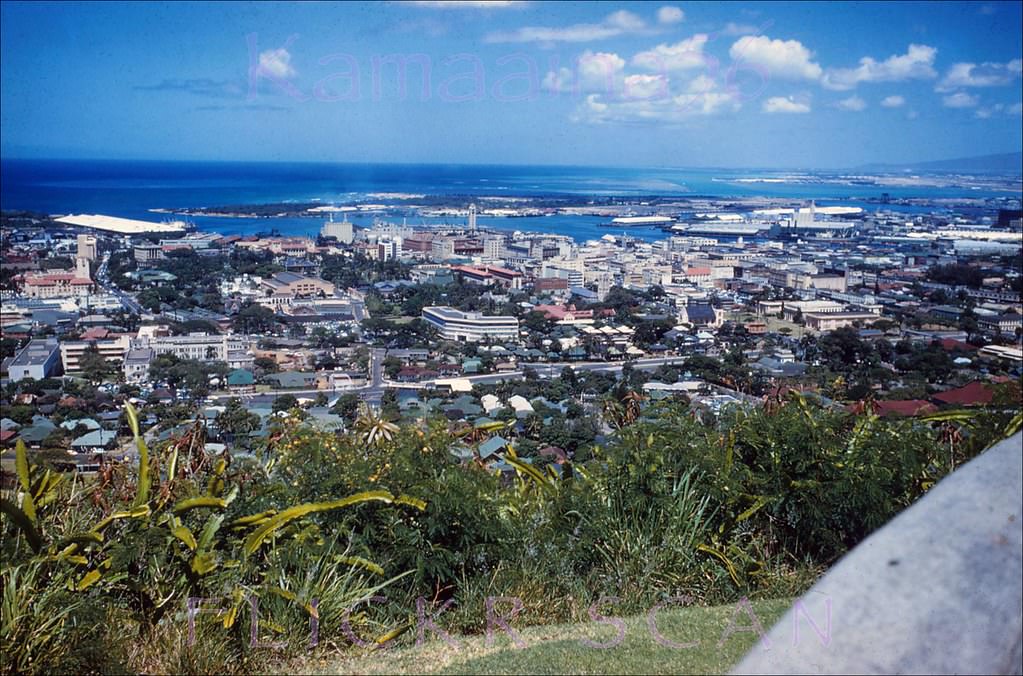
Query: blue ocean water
pixel 131 189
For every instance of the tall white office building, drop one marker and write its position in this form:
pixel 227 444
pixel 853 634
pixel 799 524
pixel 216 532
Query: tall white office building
pixel 343 232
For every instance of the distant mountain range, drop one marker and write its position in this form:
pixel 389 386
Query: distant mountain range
pixel 1005 163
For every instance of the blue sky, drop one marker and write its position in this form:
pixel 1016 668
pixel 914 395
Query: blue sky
pixel 812 85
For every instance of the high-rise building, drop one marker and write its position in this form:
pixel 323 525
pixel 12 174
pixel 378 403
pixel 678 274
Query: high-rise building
pixel 472 218
pixel 388 249
pixel 492 248
pixel 87 247
pixel 604 283
pixel 82 268
pixel 343 232
pixel 442 248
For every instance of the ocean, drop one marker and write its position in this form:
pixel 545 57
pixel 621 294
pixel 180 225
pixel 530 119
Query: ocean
pixel 131 189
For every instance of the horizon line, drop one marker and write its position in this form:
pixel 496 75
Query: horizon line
pixel 49 158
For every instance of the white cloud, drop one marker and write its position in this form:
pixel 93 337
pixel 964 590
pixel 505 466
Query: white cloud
pixel 702 83
pixel 732 28
pixel 645 87
pixel 660 107
pixel 785 59
pixel 781 104
pixel 894 101
pixel 998 109
pixel 669 15
pixel 960 100
pixel 621 22
pixel 683 55
pixel 917 63
pixel 985 75
pixel 912 115
pixel 853 103
pixel 276 63
pixel 594 72
pixel 671 110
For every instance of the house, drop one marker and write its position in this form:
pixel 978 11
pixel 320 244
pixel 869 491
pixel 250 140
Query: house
pixel 463 406
pixel 96 441
pixel 37 432
pixel 136 364
pixel 554 452
pixel 779 367
pixel 162 395
pixel 974 394
pixel 87 423
pixel 566 314
pixel 412 374
pixel 240 379
pixel 492 446
pixel 491 403
pixel 521 406
pixel 292 380
pixel 896 408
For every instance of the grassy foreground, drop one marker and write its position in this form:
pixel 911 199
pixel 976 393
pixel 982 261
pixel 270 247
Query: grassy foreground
pixel 557 649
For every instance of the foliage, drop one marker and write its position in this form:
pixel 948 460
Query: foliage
pixel 754 502
pixel 94 366
pixel 137 545
pixel 254 319
pixel 190 373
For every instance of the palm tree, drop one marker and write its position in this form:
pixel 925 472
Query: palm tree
pixel 373 429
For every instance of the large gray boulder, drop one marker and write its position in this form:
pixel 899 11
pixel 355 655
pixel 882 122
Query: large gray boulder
pixel 935 591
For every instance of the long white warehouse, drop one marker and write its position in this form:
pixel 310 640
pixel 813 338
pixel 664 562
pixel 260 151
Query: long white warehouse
pixel 470 326
pixel 122 226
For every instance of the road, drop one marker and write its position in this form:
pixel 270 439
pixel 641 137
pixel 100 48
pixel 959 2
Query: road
pixel 373 392
pixel 103 281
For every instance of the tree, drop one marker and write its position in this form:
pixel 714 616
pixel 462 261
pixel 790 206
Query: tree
pixel 537 322
pixel 285 402
pixel 254 319
pixel 94 366
pixel 266 364
pixel 389 409
pixel 392 365
pixel 651 332
pixel 347 406
pixel 190 373
pixel 236 419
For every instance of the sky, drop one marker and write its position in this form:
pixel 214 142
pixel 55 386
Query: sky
pixel 737 84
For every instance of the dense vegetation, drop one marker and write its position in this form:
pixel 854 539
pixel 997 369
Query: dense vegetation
pixel 353 528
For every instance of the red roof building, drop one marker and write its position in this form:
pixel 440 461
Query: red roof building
pixel 952 345
pixel 974 394
pixel 563 312
pixel 897 408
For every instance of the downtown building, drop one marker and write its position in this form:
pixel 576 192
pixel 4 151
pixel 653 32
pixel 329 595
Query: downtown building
pixel 470 327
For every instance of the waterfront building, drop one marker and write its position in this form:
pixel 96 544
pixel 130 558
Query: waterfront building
pixel 343 231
